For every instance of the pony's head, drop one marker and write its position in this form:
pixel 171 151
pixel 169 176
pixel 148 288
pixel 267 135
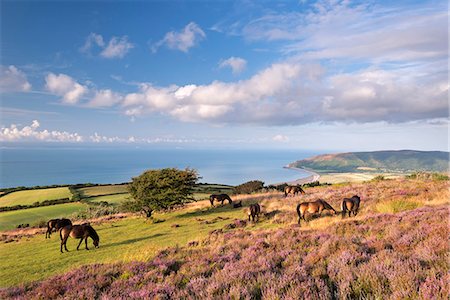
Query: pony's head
pixel 96 243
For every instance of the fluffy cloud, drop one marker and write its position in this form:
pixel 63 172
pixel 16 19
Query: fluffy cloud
pixel 187 38
pixel 295 93
pixel 13 80
pixel 280 138
pixel 236 64
pixel 31 133
pixel 66 87
pixel 117 47
pixel 214 102
pixel 104 98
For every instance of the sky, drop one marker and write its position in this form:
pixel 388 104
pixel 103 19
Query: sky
pixel 340 75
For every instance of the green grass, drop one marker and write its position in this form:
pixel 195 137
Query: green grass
pixel 103 190
pixel 395 206
pixel 125 240
pixel 111 199
pixel 10 219
pixel 31 196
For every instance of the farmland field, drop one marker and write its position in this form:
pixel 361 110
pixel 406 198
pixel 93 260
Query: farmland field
pixel 103 190
pixel 10 219
pixel 111 199
pixel 30 196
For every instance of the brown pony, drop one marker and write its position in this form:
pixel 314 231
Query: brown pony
pixel 55 225
pixel 254 211
pixel 350 205
pixel 220 198
pixel 294 190
pixel 81 232
pixel 311 208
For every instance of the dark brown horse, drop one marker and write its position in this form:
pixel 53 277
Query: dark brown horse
pixel 237 205
pixel 55 225
pixel 81 232
pixel 254 211
pixel 312 208
pixel 350 205
pixel 219 198
pixel 294 190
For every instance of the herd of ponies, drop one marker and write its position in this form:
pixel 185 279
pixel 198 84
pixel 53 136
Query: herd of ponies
pixel 84 231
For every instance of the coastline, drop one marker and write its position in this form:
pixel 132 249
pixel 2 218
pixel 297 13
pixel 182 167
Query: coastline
pixel 311 178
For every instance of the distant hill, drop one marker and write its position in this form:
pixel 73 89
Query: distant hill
pixel 384 161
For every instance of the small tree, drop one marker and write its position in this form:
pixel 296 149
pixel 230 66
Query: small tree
pixel 161 189
pixel 249 187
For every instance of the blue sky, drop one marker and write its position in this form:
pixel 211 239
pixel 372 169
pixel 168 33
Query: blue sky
pixel 340 75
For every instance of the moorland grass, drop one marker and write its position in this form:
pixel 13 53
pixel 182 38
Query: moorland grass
pixel 130 239
pixel 10 219
pixel 30 196
pixel 136 239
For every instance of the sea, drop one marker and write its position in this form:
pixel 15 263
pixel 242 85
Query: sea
pixel 48 166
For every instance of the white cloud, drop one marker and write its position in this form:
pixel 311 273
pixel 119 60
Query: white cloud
pixel 348 31
pixel 293 93
pixel 66 87
pixel 212 102
pixel 117 47
pixel 13 80
pixel 31 133
pixel 236 64
pixel 105 98
pixel 187 38
pixel 280 138
pixel 92 40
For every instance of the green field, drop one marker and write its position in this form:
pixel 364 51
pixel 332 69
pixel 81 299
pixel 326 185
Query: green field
pixel 111 199
pixel 102 190
pixel 125 240
pixel 10 219
pixel 31 196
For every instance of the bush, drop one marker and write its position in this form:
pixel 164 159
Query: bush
pixel 160 190
pixel 249 187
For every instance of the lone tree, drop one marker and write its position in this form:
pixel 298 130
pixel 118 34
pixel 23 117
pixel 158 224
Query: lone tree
pixel 155 190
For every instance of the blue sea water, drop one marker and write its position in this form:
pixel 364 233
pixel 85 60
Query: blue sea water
pixel 47 166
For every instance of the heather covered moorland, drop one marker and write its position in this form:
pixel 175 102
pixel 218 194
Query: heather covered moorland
pixel 395 248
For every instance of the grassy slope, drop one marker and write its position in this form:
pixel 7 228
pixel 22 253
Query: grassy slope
pixel 103 190
pixel 133 239
pixel 31 196
pixel 405 161
pixel 10 219
pixel 124 240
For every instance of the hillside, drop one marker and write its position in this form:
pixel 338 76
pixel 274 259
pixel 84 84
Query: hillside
pixel 377 161
pixel 396 247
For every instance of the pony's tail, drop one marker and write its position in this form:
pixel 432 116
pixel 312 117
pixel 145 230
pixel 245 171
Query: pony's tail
pixel 343 208
pixel 60 234
pixel 298 213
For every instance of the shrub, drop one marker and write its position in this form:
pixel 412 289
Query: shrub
pixel 249 187
pixel 395 206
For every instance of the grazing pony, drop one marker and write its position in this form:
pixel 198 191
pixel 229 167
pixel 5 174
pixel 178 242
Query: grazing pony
pixel 254 211
pixel 294 190
pixel 81 232
pixel 350 205
pixel 311 208
pixel 55 225
pixel 236 205
pixel 220 198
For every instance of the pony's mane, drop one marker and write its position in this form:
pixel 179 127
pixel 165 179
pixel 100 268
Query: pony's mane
pixel 93 233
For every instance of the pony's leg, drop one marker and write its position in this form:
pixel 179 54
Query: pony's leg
pixel 212 202
pixel 78 247
pixel 85 240
pixel 63 243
